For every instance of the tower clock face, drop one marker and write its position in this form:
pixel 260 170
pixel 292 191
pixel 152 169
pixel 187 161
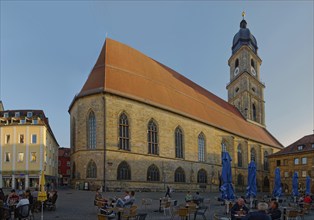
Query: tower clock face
pixel 253 71
pixel 236 71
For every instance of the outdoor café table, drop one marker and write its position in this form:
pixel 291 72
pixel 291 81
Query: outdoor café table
pixel 239 216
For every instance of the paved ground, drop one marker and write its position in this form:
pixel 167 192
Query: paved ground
pixel 75 204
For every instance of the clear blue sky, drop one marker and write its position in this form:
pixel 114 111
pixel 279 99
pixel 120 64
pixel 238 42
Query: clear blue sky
pixel 48 49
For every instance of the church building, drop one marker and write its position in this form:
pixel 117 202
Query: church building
pixel 138 124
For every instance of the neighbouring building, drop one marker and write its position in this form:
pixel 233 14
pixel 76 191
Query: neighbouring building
pixel 27 147
pixel 138 124
pixel 64 166
pixel 297 157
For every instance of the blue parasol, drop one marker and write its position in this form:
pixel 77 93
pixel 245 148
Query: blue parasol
pixel 308 185
pixel 251 188
pixel 227 191
pixel 295 184
pixel 277 188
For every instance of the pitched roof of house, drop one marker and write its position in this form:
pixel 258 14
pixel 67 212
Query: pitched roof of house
pixel 64 152
pixel 307 143
pixel 23 114
pixel 124 71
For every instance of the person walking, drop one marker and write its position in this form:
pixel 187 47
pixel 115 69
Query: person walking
pixel 168 193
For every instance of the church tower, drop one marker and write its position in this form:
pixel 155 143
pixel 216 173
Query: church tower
pixel 245 89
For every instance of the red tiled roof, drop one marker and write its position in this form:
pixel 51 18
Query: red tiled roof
pixel 124 71
pixel 307 143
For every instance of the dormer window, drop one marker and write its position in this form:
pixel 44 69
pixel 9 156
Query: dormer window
pixel 29 114
pixel 300 147
pixel 17 114
pixel 35 121
pixel 22 121
pixel 6 114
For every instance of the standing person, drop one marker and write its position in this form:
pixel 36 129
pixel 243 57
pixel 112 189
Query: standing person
pixel 168 192
pixel 1 194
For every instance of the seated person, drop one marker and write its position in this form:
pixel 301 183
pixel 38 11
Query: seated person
pixel 126 202
pixel 23 201
pixel 260 214
pixel 29 196
pixel 98 195
pixel 307 199
pixel 274 211
pixel 197 198
pixel 188 197
pixel 13 198
pixel 238 207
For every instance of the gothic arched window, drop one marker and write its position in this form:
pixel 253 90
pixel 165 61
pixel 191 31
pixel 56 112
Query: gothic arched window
pixel 223 146
pixel 152 137
pixel 73 133
pixel 253 154
pixel 91 131
pixel 240 180
pixel 266 182
pixel 73 170
pixel 266 164
pixel 240 159
pixel 124 171
pixel 179 175
pixel 201 147
pixel 202 176
pixel 254 112
pixel 124 138
pixel 179 142
pixel 153 173
pixel 91 171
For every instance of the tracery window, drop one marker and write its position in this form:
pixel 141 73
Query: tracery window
pixel 179 175
pixel 201 147
pixel 153 173
pixel 202 176
pixel 124 137
pixel 266 164
pixel 240 158
pixel 91 170
pixel 91 131
pixel 179 142
pixel 124 171
pixel 152 137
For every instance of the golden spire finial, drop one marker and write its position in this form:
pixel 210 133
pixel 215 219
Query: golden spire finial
pixel 243 14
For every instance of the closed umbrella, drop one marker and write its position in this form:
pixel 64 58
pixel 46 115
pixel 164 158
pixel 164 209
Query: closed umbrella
pixel 42 195
pixel 227 191
pixel 277 188
pixel 295 185
pixel 251 188
pixel 308 185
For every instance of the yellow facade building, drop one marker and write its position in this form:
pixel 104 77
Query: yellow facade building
pixel 27 147
pixel 297 157
pixel 138 124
